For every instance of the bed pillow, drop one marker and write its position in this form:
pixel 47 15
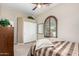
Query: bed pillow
pixel 42 43
pixel 56 39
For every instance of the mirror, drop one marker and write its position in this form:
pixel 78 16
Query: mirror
pixel 50 27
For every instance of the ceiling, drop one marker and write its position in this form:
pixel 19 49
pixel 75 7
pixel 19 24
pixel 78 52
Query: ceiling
pixel 27 8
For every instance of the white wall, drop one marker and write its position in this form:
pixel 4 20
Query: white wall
pixel 0 10
pixel 68 20
pixel 17 18
pixel 12 14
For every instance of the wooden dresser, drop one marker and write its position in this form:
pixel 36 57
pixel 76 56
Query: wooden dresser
pixel 6 41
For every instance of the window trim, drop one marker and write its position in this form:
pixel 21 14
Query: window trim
pixel 48 18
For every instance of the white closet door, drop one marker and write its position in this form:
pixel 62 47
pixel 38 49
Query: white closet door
pixel 29 31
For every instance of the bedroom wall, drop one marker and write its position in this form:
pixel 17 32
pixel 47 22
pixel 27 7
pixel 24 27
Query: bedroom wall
pixel 68 20
pixel 9 12
pixel 16 17
pixel 0 9
pixel 12 14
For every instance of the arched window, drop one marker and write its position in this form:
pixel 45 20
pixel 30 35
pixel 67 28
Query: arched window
pixel 50 27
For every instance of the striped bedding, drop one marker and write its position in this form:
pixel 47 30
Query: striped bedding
pixel 62 48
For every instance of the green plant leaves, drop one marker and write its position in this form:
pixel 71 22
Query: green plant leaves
pixel 4 22
pixel 30 17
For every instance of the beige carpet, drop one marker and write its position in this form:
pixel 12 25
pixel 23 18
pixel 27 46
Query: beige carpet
pixel 22 49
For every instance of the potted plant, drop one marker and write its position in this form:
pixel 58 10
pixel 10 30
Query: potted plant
pixel 4 22
pixel 30 17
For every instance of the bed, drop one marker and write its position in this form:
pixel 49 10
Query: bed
pixel 62 48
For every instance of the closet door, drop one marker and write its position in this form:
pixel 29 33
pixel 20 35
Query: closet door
pixel 29 31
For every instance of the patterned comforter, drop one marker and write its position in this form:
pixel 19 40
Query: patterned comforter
pixel 62 48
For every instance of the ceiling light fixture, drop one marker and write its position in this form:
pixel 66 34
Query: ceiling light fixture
pixel 40 5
